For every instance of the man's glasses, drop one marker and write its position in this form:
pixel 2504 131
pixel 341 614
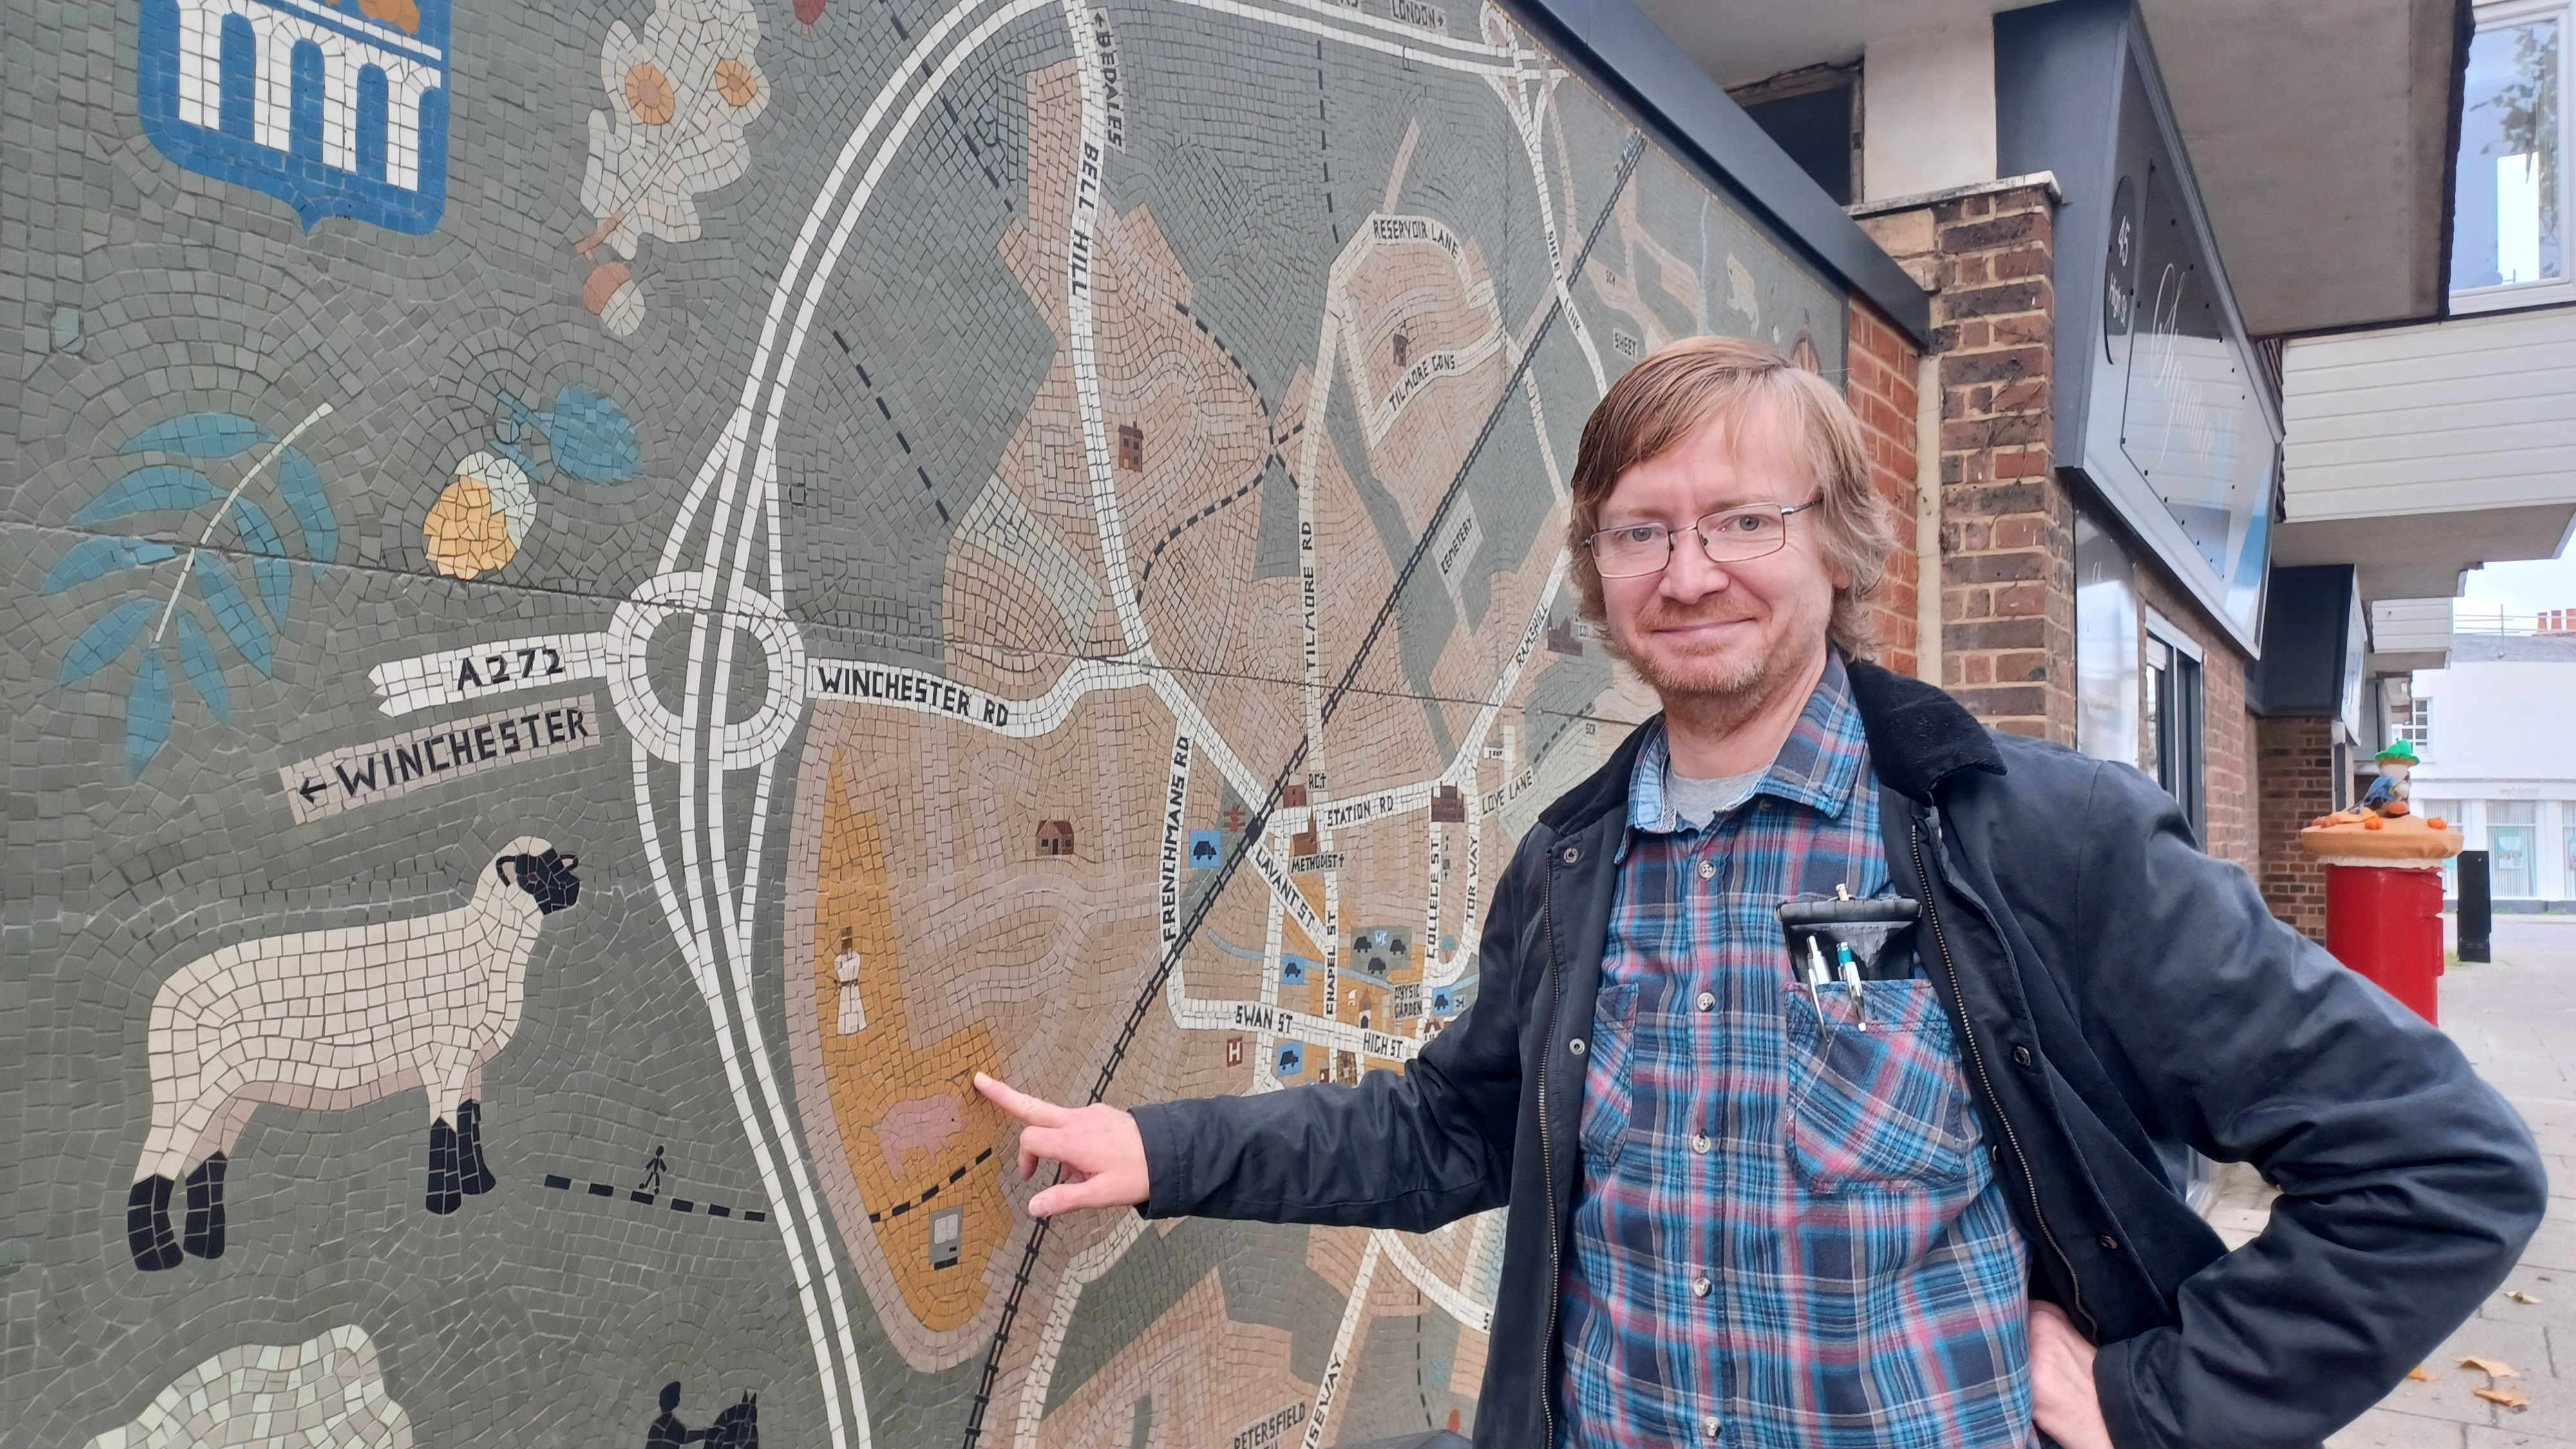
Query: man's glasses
pixel 1731 536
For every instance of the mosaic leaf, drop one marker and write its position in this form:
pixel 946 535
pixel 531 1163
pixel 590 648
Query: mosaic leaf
pixel 200 435
pixel 590 436
pixel 148 490
pixel 100 644
pixel 300 483
pixel 92 557
pixel 268 552
pixel 197 656
pixel 147 710
pixel 233 613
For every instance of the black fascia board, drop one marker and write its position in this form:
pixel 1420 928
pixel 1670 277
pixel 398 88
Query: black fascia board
pixel 2307 631
pixel 2058 83
pixel 2060 79
pixel 1630 59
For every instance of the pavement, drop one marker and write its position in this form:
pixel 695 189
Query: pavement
pixel 2516 1019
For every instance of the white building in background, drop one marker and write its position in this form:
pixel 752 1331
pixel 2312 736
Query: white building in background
pixel 2497 734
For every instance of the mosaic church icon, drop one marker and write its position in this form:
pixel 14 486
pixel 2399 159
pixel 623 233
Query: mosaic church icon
pixel 336 109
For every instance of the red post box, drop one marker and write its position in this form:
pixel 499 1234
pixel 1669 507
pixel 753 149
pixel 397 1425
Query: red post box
pixel 2386 923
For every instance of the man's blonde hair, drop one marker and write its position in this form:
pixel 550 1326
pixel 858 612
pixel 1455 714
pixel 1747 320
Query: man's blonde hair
pixel 1669 396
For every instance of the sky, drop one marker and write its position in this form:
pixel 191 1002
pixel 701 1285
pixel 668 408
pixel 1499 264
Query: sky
pixel 2518 591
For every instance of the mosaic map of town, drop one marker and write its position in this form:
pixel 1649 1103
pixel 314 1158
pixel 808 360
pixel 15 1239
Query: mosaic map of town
pixel 935 535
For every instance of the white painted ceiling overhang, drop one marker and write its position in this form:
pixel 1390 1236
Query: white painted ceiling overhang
pixel 2319 129
pixel 2417 452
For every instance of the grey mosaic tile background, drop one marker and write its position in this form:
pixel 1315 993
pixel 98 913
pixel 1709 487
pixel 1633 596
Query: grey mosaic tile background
pixel 602 602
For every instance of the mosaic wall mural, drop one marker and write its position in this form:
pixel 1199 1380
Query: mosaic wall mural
pixel 605 601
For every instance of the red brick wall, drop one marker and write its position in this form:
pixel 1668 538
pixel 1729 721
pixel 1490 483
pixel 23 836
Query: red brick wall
pixel 1881 387
pixel 2297 768
pixel 2007 525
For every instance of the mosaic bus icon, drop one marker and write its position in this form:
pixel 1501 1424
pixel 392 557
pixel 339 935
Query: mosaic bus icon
pixel 334 109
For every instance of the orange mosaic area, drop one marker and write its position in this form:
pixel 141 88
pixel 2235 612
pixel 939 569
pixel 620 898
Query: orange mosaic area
pixel 913 1129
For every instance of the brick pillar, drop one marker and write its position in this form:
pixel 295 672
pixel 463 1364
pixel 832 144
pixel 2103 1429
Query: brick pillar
pixel 2008 527
pixel 1881 387
pixel 2296 767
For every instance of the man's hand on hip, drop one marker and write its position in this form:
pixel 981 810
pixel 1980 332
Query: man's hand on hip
pixel 1098 1149
pixel 2063 1401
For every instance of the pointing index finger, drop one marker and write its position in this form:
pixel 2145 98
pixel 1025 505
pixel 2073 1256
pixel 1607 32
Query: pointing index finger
pixel 1035 1111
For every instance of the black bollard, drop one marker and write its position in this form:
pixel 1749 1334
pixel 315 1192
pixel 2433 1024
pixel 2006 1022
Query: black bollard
pixel 2477 907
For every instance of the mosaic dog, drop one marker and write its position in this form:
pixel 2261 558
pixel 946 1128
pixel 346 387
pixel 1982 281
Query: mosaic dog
pixel 337 1019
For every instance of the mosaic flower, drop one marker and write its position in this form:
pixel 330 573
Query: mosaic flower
pixel 682 94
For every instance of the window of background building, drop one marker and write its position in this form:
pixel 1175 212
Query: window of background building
pixel 2172 721
pixel 2569 855
pixel 2415 723
pixel 1814 113
pixel 2509 236
pixel 2513 839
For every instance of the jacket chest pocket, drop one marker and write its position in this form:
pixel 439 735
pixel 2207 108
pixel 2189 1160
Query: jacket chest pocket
pixel 1609 1083
pixel 1884 1109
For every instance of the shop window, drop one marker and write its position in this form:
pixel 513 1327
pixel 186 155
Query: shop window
pixel 2513 840
pixel 2509 206
pixel 2567 853
pixel 2171 726
pixel 2106 644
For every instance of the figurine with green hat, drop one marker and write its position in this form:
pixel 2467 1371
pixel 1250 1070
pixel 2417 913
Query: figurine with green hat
pixel 2388 793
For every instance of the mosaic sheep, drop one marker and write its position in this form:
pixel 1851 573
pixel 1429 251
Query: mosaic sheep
pixel 336 1019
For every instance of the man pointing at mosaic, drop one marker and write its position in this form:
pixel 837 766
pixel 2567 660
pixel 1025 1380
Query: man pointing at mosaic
pixel 1836 1055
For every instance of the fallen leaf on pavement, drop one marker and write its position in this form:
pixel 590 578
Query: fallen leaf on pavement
pixel 2421 1374
pixel 2491 1367
pixel 2518 1296
pixel 2510 1398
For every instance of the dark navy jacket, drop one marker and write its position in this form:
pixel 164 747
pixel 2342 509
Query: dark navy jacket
pixel 2117 996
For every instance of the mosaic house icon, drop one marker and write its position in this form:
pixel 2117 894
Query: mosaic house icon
pixel 336 110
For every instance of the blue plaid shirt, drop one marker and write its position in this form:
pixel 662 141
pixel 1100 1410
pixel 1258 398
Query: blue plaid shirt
pixel 1788 1233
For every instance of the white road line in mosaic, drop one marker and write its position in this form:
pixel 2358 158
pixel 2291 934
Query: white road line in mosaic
pixel 899 687
pixel 344 779
pixel 480 671
pixel 1272 957
pixel 1081 1273
pixel 1339 1364
pixel 702 768
pixel 1452 1299
pixel 1528 117
pixel 1410 49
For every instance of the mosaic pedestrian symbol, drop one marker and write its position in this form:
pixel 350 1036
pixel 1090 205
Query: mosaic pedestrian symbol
pixel 336 109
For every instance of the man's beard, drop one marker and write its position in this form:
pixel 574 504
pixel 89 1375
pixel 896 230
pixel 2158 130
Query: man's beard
pixel 1716 694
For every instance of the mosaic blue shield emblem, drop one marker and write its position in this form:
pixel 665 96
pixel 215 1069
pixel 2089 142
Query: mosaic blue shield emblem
pixel 336 109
